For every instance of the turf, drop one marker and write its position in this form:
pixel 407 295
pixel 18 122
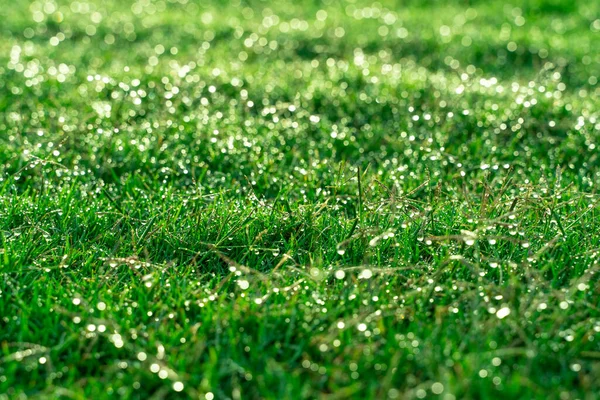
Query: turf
pixel 288 199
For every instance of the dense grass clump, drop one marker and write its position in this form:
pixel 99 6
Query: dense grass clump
pixel 338 199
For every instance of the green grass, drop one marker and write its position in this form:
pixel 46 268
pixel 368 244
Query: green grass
pixel 299 199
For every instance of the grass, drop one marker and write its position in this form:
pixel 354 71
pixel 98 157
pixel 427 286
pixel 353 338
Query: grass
pixel 299 200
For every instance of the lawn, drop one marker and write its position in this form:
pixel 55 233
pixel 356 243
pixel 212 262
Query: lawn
pixel 299 199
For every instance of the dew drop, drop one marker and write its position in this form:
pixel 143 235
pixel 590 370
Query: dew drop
pixel 503 312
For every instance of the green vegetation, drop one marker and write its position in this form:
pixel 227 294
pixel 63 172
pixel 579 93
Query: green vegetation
pixel 299 199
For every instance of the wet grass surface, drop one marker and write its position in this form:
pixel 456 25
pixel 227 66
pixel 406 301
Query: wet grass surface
pixel 317 200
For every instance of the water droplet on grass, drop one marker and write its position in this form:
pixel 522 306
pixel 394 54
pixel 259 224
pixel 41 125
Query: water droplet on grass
pixel 437 388
pixel 503 312
pixel 563 305
pixel 178 386
pixel 365 274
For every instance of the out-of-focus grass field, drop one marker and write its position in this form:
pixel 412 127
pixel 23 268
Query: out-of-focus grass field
pixel 240 200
